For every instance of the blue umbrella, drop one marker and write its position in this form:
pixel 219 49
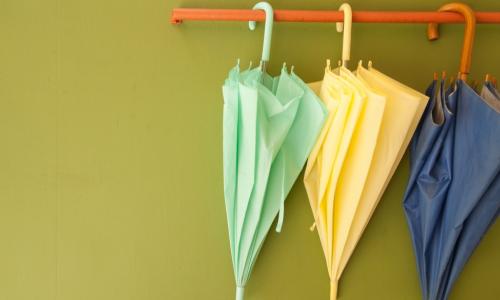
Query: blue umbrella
pixel 430 159
pixel 486 112
pixel 476 164
pixel 452 196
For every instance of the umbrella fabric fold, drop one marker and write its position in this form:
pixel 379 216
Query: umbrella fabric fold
pixel 403 109
pixel 356 165
pixel 476 165
pixel 452 195
pixel 270 126
pixel 430 177
pixel 489 91
pixel 324 166
pixel 340 161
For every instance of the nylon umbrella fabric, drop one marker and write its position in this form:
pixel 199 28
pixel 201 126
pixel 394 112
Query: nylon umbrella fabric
pixel 403 109
pixel 430 176
pixel 488 89
pixel 452 196
pixel 472 200
pixel 480 219
pixel 338 165
pixel 269 128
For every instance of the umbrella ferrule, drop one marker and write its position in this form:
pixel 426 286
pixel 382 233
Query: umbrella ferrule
pixel 333 289
pixel 240 292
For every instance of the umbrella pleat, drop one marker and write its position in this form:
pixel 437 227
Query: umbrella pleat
pixel 356 165
pixel 476 134
pixel 431 178
pixel 270 127
pixel 351 148
pixel 275 116
pixel 403 109
pixel 452 196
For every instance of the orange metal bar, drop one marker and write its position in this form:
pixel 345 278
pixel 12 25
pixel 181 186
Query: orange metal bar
pixel 325 16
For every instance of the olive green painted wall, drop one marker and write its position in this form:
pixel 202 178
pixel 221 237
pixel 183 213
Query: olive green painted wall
pixel 110 154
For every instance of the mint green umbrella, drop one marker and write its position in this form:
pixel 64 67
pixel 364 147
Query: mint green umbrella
pixel 270 127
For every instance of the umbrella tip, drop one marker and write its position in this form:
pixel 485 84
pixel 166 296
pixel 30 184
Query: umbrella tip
pixel 240 292
pixel 333 289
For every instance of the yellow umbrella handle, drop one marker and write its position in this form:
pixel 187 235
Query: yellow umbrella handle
pixel 470 30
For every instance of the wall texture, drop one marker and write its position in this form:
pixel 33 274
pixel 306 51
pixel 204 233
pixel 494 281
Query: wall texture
pixel 111 164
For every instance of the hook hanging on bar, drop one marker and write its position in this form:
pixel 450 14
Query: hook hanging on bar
pixel 268 31
pixel 346 26
pixel 470 30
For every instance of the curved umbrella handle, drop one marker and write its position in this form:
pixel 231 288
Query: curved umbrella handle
pixel 346 27
pixel 268 30
pixel 470 30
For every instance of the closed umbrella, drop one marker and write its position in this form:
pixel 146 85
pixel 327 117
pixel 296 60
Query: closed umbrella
pixel 430 177
pixel 270 126
pixel 483 215
pixel 324 166
pixel 452 196
pixel 472 199
pixel 332 163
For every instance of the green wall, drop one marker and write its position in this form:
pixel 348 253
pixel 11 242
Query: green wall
pixel 111 158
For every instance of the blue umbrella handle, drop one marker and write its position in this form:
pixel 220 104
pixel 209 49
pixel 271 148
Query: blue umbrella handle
pixel 240 292
pixel 268 29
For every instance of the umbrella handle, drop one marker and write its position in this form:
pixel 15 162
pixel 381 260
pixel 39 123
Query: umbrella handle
pixel 346 27
pixel 470 30
pixel 268 29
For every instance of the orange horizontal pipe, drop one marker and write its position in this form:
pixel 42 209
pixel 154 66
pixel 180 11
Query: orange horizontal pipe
pixel 199 14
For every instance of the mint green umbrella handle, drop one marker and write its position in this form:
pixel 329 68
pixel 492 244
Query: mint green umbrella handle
pixel 268 29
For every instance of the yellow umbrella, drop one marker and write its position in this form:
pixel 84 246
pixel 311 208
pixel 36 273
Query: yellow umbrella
pixel 346 178
pixel 338 166
pixel 344 104
pixel 356 166
pixel 403 109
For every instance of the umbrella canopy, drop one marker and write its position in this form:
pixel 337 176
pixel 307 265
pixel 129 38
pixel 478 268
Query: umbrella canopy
pixel 270 126
pixel 403 109
pixel 481 217
pixel 344 103
pixel 452 196
pixel 476 164
pixel 430 175
pixel 338 166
